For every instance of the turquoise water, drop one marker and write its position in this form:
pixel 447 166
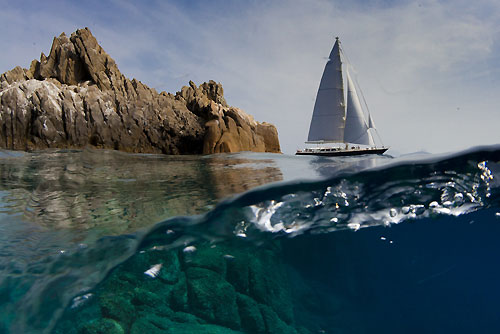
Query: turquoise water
pixel 106 242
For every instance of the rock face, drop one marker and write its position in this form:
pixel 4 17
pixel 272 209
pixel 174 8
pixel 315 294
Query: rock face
pixel 220 289
pixel 77 97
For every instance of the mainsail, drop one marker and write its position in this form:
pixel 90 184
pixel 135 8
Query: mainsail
pixel 332 120
pixel 328 118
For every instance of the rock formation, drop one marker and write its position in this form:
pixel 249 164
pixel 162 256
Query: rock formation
pixel 77 97
pixel 223 289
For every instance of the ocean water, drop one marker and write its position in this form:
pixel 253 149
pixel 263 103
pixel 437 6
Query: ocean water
pixel 106 242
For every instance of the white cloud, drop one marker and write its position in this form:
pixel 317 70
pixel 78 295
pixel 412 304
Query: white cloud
pixel 429 69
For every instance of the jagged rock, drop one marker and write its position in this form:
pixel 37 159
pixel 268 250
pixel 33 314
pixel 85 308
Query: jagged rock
pixel 63 63
pixel 16 74
pixel 77 96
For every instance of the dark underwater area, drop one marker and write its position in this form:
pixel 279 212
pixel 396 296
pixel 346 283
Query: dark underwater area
pixel 250 243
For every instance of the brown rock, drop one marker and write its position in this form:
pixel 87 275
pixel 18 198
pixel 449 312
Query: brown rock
pixel 63 63
pixel 16 74
pixel 212 135
pixel 77 97
pixel 269 133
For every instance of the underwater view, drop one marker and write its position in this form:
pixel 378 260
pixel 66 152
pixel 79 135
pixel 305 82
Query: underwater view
pixel 97 241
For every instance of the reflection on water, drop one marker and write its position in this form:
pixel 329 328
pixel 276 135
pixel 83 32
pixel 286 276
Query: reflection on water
pixel 328 167
pixel 97 192
pixel 111 193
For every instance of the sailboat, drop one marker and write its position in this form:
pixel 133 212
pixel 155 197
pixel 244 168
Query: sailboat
pixel 339 126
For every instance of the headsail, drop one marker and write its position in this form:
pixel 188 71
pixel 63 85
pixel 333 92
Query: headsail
pixel 356 129
pixel 328 118
pixel 371 124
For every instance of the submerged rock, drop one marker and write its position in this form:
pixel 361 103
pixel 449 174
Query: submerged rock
pixel 78 97
pixel 250 315
pixel 210 294
pixel 102 326
pixel 212 298
pixel 118 308
pixel 152 324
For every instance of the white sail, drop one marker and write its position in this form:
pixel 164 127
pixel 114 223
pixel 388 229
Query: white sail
pixel 328 118
pixel 336 121
pixel 356 129
pixel 371 124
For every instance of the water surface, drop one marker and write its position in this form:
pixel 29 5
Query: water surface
pixel 102 241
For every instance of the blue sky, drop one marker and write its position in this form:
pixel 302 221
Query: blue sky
pixel 430 70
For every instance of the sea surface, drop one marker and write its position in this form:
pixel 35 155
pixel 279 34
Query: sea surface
pixel 95 241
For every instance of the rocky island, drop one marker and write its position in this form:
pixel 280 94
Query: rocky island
pixel 77 97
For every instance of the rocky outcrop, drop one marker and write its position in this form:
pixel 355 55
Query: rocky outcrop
pixel 77 97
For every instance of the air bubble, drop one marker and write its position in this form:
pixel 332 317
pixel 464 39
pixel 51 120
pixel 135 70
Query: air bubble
pixel 354 226
pixel 393 212
pixel 418 209
pixel 189 249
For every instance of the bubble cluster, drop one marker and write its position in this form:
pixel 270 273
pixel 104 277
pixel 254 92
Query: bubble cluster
pixel 357 202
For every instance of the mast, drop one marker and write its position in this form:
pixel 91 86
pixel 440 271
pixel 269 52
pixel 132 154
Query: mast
pixel 328 120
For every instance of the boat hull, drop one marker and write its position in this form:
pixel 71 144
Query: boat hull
pixel 342 152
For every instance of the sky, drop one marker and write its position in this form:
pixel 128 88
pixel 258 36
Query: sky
pixel 429 70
